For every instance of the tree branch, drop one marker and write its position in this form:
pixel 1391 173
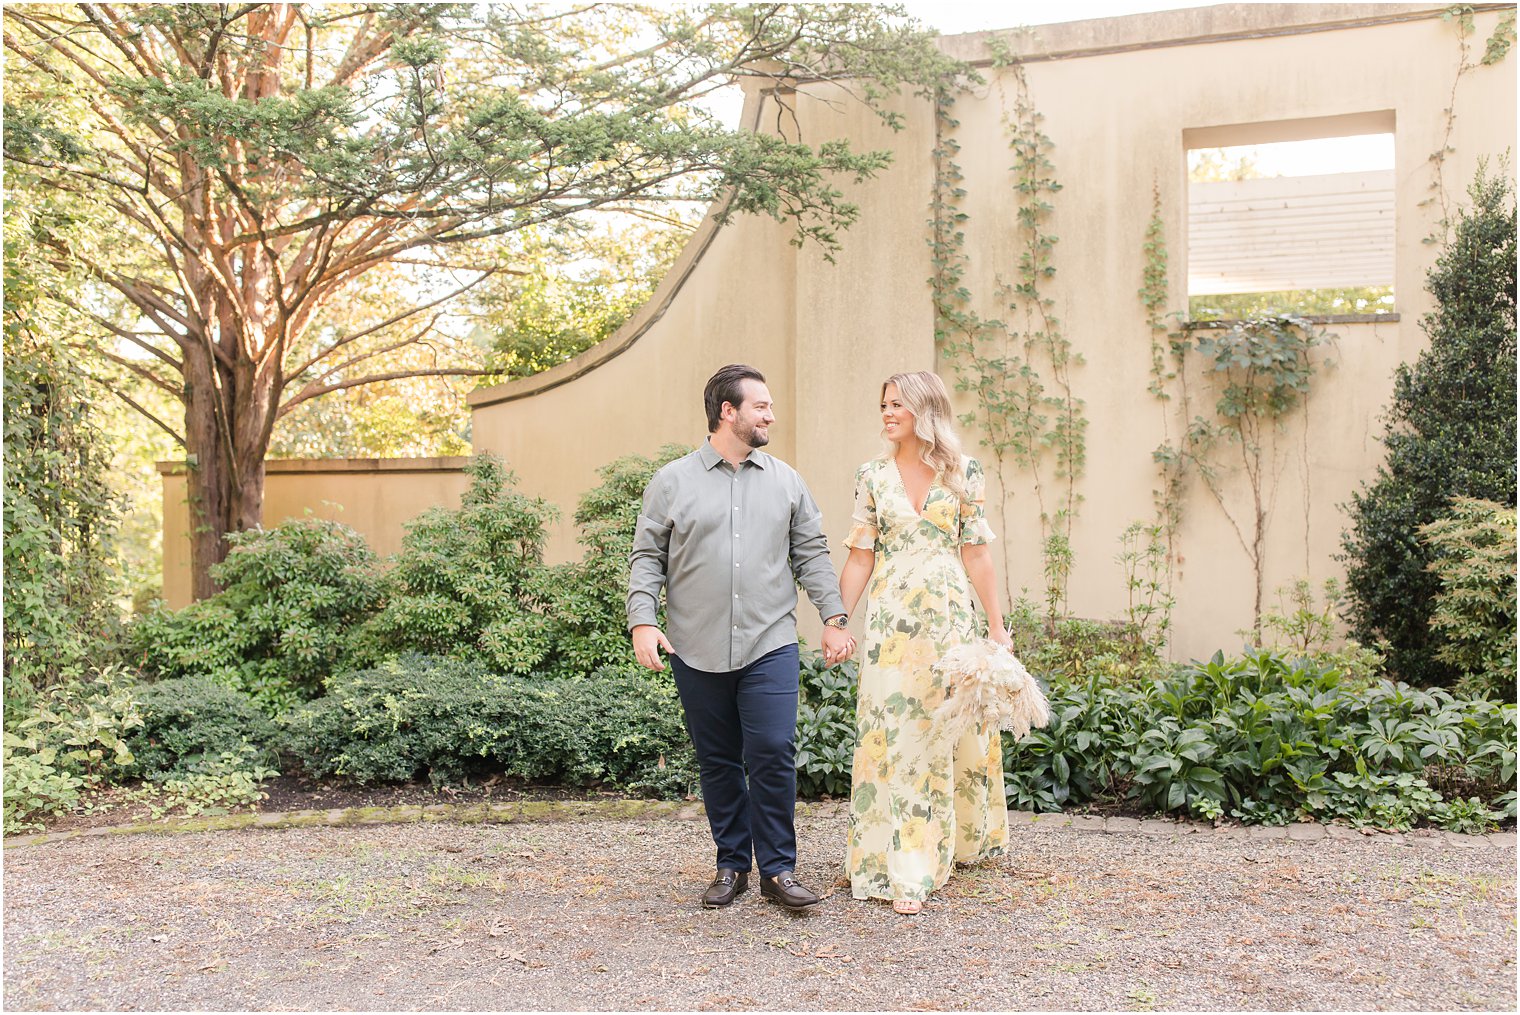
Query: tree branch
pixel 306 395
pixel 393 319
pixel 120 332
pixel 411 339
pixel 137 368
pixel 165 427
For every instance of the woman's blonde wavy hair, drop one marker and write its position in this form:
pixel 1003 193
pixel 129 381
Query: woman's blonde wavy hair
pixel 925 396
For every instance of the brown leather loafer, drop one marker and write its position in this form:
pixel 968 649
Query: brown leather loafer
pixel 785 889
pixel 726 887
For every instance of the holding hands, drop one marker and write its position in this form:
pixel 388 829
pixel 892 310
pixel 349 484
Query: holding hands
pixel 838 645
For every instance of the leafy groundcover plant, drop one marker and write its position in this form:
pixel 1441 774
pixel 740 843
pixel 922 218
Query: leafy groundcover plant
pixel 1264 738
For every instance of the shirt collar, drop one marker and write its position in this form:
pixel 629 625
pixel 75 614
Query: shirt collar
pixel 711 458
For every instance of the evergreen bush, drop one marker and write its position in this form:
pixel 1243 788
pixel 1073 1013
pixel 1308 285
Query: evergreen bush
pixel 451 719
pixel 190 724
pixel 1474 616
pixel 585 601
pixel 1450 432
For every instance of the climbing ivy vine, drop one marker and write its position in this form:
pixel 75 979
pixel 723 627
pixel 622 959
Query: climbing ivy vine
pixel 1263 366
pixel 1018 369
pixel 1168 350
pixel 1495 49
pixel 1058 424
pixel 960 334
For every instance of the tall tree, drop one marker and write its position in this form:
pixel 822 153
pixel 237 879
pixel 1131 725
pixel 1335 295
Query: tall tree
pixel 260 159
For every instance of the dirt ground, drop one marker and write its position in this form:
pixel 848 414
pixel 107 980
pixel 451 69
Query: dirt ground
pixel 603 915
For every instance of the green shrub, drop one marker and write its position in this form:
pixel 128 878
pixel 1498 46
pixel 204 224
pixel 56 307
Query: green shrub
pixel 75 737
pixel 1301 628
pixel 218 784
pixel 291 598
pixel 191 725
pixel 1450 432
pixel 451 719
pixel 1264 739
pixel 35 786
pixel 85 724
pixel 460 586
pixel 825 726
pixel 1070 761
pixel 1474 616
pixel 1396 800
pixel 1075 648
pixel 1470 816
pixel 585 601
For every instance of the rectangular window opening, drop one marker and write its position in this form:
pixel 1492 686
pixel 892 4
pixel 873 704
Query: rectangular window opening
pixel 1293 216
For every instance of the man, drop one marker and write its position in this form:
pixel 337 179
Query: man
pixel 724 530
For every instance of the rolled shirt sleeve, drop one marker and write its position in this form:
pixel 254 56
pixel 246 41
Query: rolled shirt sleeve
pixel 650 559
pixel 810 556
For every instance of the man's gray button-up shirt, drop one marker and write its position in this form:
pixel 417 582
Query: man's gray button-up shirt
pixel 728 546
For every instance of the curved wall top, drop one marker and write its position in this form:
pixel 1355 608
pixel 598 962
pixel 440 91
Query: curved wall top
pixel 649 313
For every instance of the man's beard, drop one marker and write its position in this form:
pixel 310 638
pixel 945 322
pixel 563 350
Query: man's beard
pixel 747 433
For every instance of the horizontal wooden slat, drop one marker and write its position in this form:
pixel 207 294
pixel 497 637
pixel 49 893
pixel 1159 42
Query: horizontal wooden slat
pixel 1300 232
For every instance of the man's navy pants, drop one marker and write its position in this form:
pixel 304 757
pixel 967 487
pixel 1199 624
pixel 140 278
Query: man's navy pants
pixel 747 719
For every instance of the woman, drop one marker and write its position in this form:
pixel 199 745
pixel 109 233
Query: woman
pixel 919 802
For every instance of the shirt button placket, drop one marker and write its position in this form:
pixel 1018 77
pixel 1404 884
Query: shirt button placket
pixel 733 641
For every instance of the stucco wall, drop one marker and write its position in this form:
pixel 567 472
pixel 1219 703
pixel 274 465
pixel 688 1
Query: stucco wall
pixel 1117 95
pixel 376 496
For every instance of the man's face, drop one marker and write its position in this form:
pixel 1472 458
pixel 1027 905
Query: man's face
pixel 752 420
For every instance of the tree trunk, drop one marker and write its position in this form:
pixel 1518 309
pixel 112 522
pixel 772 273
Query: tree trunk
pixel 226 463
pixel 208 482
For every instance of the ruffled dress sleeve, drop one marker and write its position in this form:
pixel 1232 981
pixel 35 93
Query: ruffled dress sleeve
pixel 973 518
pixel 865 533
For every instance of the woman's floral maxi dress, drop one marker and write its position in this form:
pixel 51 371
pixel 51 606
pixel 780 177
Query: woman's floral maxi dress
pixel 918 802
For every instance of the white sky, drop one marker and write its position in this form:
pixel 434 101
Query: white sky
pixel 1324 155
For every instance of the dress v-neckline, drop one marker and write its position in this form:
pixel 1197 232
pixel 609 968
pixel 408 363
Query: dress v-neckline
pixel 903 483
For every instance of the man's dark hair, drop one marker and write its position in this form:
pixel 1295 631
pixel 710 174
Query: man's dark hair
pixel 727 385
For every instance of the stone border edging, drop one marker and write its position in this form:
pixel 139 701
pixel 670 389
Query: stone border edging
pixel 1298 831
pixel 468 814
pixel 612 810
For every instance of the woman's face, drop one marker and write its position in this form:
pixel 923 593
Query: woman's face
pixel 896 420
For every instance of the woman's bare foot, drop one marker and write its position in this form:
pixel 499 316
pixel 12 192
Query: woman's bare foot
pixel 907 907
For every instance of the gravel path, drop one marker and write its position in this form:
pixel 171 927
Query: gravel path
pixel 603 915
